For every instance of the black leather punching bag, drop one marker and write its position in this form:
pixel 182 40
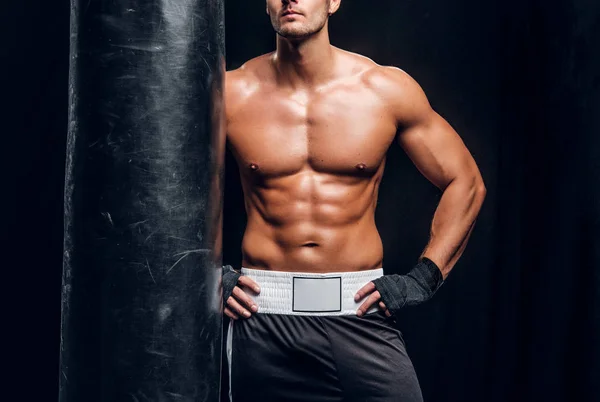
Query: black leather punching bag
pixel 141 304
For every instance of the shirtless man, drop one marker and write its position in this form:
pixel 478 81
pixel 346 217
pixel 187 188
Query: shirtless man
pixel 309 126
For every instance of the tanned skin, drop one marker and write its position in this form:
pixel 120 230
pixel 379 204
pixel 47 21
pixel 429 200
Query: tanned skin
pixel 310 125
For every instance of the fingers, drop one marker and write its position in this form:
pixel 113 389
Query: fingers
pixel 244 299
pixel 237 307
pixel 230 313
pixel 239 304
pixel 249 283
pixel 384 308
pixel 372 299
pixel 365 290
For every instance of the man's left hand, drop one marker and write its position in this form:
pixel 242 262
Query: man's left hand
pixel 374 297
pixel 393 292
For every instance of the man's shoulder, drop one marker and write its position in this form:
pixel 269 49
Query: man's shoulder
pixel 396 88
pixel 389 80
pixel 242 82
pixel 380 78
pixel 252 70
pixel 393 86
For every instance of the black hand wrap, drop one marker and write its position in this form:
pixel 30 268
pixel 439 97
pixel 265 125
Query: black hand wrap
pixel 411 289
pixel 230 279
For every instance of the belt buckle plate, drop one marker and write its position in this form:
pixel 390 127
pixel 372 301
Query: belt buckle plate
pixel 317 295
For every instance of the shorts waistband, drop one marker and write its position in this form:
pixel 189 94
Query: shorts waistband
pixel 302 293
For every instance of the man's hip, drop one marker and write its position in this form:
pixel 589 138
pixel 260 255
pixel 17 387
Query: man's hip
pixel 306 345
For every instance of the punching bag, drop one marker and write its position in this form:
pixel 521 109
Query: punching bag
pixel 141 317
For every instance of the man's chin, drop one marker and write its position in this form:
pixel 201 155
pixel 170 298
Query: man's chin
pixel 292 34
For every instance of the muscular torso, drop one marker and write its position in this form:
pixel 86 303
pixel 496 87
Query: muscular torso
pixel 311 162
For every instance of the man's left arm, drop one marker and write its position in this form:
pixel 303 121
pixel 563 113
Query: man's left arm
pixel 440 155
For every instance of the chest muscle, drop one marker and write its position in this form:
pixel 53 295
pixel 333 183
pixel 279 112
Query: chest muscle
pixel 341 132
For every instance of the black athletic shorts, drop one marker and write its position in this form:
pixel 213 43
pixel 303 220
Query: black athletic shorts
pixel 317 356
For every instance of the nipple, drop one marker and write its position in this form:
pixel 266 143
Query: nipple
pixel 253 166
pixel 361 166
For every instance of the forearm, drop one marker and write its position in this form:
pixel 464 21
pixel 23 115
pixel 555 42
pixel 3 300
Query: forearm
pixel 453 222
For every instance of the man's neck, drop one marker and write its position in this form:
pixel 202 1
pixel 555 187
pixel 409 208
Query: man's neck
pixel 304 63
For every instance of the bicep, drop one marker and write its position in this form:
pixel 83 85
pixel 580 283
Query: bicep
pixel 428 139
pixel 437 150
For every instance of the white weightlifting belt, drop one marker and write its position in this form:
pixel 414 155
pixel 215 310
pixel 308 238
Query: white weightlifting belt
pixel 301 293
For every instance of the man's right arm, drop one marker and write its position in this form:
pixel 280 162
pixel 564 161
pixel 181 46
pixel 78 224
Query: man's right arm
pixel 236 303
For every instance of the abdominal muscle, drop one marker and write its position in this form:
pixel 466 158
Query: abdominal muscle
pixel 327 228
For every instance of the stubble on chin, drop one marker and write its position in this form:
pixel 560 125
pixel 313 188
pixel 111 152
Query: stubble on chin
pixel 298 32
pixel 293 33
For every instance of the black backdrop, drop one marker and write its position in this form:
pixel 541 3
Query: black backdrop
pixel 519 317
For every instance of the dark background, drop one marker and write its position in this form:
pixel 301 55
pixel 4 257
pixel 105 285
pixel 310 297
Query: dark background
pixel 519 317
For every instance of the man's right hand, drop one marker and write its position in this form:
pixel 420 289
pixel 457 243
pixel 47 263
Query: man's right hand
pixel 238 304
